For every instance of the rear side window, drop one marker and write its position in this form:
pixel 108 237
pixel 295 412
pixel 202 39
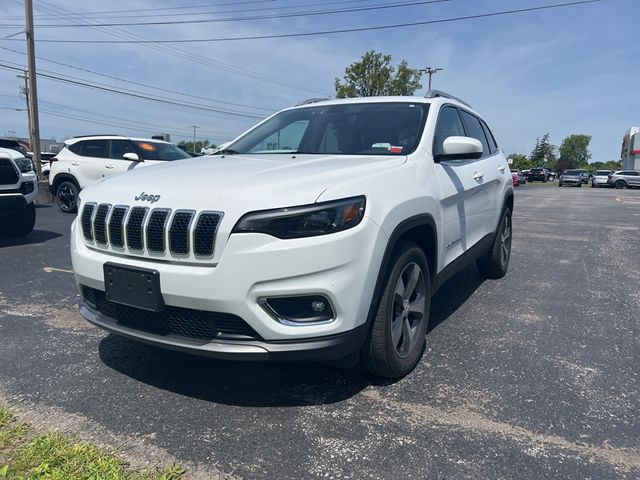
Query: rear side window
pixel 93 148
pixel 474 130
pixel 449 125
pixel 493 145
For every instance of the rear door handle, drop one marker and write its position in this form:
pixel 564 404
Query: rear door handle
pixel 109 166
pixel 75 163
pixel 478 175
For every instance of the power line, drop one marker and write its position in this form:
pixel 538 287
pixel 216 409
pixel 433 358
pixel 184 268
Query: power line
pixel 255 17
pixel 135 95
pixel 166 90
pixel 184 54
pixel 327 32
pixel 100 15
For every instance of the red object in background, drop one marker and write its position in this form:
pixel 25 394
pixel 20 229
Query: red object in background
pixel 515 179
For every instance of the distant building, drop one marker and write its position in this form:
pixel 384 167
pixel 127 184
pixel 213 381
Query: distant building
pixel 46 144
pixel 630 154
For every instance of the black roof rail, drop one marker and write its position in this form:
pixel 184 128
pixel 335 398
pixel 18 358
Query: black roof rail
pixel 312 100
pixel 440 93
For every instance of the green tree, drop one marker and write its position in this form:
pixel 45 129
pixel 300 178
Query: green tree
pixel 544 153
pixel 373 75
pixel 574 151
pixel 520 161
pixel 188 146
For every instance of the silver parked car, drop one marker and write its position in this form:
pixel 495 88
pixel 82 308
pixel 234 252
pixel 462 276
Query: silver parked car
pixel 624 178
pixel 600 177
pixel 571 177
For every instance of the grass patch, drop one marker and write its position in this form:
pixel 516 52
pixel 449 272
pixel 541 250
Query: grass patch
pixel 56 456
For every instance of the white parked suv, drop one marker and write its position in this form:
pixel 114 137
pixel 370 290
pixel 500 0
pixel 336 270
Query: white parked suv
pixel 85 160
pixel 18 191
pixel 321 233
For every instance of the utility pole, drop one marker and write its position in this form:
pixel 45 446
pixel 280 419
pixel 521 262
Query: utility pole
pixel 431 72
pixel 32 95
pixel 25 91
pixel 194 138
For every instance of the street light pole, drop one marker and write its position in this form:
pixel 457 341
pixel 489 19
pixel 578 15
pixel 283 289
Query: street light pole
pixel 194 138
pixel 32 95
pixel 431 72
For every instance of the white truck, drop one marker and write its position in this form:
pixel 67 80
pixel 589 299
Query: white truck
pixel 18 191
pixel 320 234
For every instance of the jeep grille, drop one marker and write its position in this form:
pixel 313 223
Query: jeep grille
pixel 156 231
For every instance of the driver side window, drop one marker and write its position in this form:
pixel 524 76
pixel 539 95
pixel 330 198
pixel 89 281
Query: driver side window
pixel 449 125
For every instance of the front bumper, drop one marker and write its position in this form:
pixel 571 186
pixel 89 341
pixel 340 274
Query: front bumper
pixel 342 267
pixel 328 348
pixel 570 181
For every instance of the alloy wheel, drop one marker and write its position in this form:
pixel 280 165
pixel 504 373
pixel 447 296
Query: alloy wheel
pixel 408 311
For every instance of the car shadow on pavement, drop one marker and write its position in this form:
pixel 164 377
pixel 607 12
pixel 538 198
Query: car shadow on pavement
pixel 246 384
pixel 453 294
pixel 36 236
pixel 262 384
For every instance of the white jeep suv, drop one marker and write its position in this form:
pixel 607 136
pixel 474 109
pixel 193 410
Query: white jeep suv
pixel 321 233
pixel 85 160
pixel 18 191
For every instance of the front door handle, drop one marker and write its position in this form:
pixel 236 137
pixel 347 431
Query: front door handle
pixel 109 166
pixel 75 164
pixel 478 176
pixel 501 169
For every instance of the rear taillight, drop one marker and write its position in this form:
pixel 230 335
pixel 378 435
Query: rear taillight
pixel 53 159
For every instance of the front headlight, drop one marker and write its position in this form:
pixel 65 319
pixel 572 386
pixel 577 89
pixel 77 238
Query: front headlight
pixel 305 221
pixel 24 164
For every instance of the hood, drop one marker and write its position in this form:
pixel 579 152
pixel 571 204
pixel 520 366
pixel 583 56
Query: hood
pixel 236 183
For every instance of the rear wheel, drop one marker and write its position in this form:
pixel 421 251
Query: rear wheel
pixel 621 184
pixel 496 262
pixel 67 196
pixel 397 337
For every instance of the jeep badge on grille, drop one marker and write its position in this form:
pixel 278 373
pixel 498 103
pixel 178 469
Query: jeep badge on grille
pixel 147 197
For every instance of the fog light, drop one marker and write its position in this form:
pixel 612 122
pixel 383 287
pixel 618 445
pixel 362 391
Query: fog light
pixel 298 310
pixel 27 187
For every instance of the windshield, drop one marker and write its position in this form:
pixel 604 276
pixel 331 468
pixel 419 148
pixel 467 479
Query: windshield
pixel 603 172
pixel 160 151
pixel 572 172
pixel 351 129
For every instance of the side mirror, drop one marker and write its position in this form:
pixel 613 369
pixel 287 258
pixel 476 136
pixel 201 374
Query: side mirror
pixel 460 148
pixel 133 157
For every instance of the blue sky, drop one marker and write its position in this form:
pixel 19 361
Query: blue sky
pixel 562 71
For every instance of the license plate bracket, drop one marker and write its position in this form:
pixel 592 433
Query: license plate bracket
pixel 134 287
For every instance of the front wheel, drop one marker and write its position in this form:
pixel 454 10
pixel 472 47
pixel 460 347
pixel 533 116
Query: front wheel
pixel 579 184
pixel 560 184
pixel 495 263
pixel 67 196
pixel 19 224
pixel 397 337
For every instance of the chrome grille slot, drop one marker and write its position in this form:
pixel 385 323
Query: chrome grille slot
pixel 204 233
pixel 179 232
pixel 134 228
pixel 160 232
pixel 116 232
pixel 100 223
pixel 85 221
pixel 155 230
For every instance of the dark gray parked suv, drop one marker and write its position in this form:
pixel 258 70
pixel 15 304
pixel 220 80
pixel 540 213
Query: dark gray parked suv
pixel 624 179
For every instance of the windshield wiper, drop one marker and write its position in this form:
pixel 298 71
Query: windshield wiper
pixel 227 151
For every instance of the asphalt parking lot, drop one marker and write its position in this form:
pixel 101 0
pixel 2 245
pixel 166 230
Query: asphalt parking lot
pixel 533 376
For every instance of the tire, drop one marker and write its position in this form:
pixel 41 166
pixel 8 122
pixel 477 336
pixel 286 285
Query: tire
pixel 67 196
pixel 496 262
pixel 559 184
pixel 620 185
pixel 19 224
pixel 396 342
pixel 579 184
